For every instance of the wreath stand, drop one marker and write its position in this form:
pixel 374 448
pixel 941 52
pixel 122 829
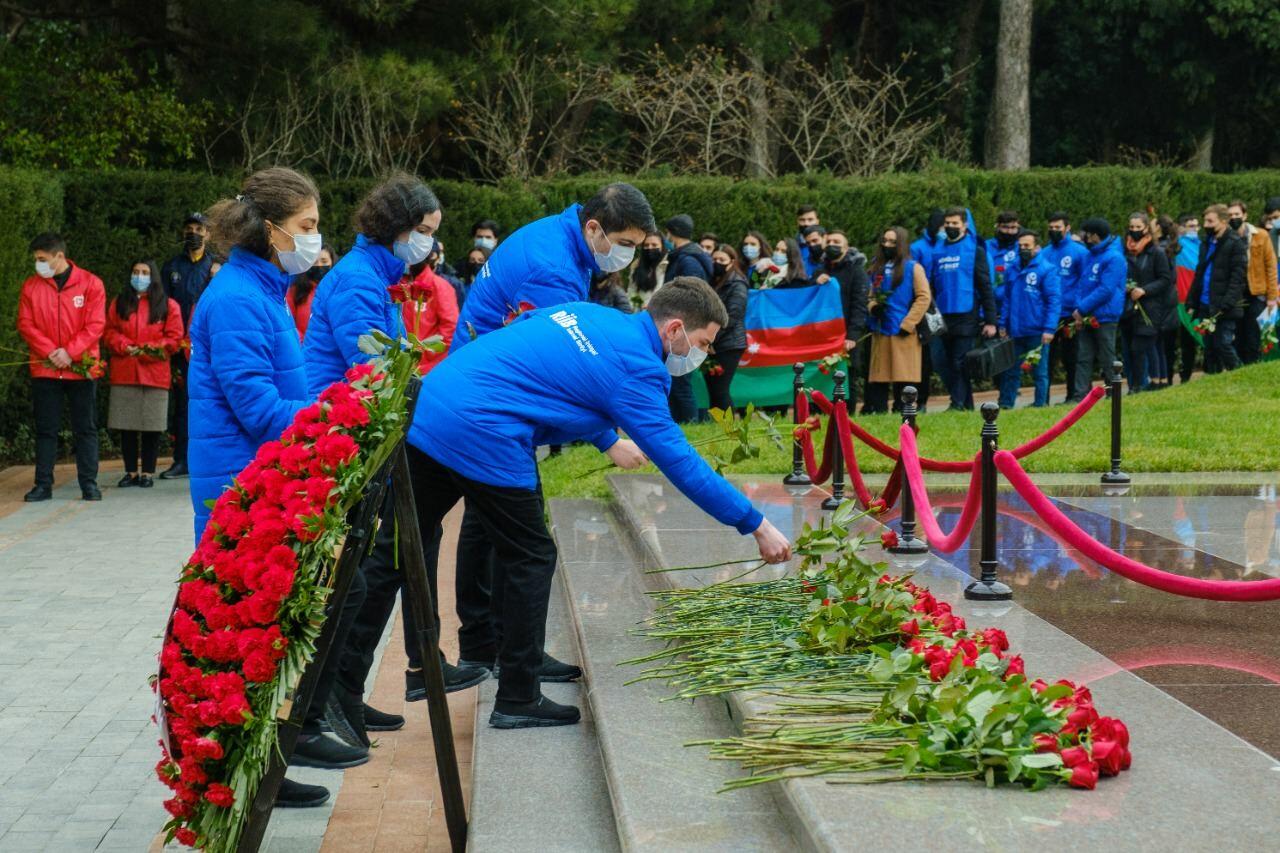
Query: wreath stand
pixel 417 596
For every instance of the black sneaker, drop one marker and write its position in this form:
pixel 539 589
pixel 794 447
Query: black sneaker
pixel 455 678
pixel 295 795
pixel 91 493
pixel 536 714
pixel 343 714
pixel 557 670
pixel 176 471
pixel 327 753
pixel 145 481
pixel 37 494
pixel 381 721
pixel 127 481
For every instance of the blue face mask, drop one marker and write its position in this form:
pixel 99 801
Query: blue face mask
pixel 679 365
pixel 779 259
pixel 750 251
pixel 140 283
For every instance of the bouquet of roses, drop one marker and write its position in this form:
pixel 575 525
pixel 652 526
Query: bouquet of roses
pixel 251 599
pixel 711 367
pixel 1268 340
pixel 88 365
pixel 1088 321
pixel 152 351
pixel 838 360
pixel 1031 358
pixel 1207 325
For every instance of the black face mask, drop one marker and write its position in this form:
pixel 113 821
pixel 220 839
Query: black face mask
pixel 1026 255
pixel 1003 239
pixel 316 273
pixel 1057 236
pixel 1135 235
pixel 1235 222
pixel 953 232
pixel 719 270
pixel 192 242
pixel 815 253
pixel 652 256
pixel 888 250
pixel 833 253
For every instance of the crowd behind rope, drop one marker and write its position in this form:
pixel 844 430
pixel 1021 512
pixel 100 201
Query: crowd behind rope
pixel 256 314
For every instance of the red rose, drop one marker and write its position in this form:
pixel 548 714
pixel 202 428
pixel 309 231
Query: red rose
pixel 1075 756
pixel 1109 756
pixel 826 602
pixel 910 628
pixel 1045 743
pixel 823 369
pixel 1039 685
pixel 1026 367
pixel 939 668
pixel 220 795
pixel 1109 728
pixel 888 539
pixel 1081 718
pixel 1015 666
pixel 1084 776
pixel 185 836
pixel 995 638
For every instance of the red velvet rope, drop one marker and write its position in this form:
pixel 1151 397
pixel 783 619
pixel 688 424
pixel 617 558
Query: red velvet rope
pixel 891 489
pixel 910 461
pixel 817 474
pixel 1266 590
pixel 1021 452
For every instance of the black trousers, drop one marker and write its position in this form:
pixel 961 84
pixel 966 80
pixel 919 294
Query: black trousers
pixel 876 399
pixel 332 663
pixel 1219 347
pixel 1065 350
pixel 1188 347
pixel 718 386
pixel 479 611
pixel 47 399
pixel 383 578
pixel 130 440
pixel 1248 333
pixel 926 377
pixel 178 418
pixel 524 561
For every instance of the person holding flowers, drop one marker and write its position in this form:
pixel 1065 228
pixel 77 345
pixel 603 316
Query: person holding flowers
pixel 899 297
pixel 1217 291
pixel 1029 315
pixel 246 378
pixel 61 316
pixel 1147 304
pixel 144 330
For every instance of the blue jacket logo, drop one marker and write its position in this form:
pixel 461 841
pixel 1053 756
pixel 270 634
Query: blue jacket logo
pixel 1066 262
pixel 1096 267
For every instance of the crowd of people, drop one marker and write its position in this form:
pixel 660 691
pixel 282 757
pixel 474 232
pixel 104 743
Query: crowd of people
pixel 547 343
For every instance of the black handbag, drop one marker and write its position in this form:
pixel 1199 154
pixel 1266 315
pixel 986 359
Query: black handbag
pixel 990 358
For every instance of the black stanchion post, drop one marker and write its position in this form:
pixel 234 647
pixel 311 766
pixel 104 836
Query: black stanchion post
pixel 1115 475
pixel 987 588
pixel 837 470
pixel 797 477
pixel 908 543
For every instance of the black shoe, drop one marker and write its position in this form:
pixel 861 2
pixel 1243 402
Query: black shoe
pixel 541 712
pixel 91 493
pixel 176 471
pixel 455 678
pixel 327 753
pixel 558 670
pixel 343 714
pixel 381 721
pixel 39 493
pixel 295 795
pixel 145 481
pixel 127 480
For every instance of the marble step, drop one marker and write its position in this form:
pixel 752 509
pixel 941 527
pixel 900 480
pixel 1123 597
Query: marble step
pixel 1194 786
pixel 664 794
pixel 540 790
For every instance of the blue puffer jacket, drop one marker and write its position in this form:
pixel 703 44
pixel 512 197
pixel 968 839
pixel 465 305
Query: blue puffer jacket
pixel 351 300
pixel 1069 257
pixel 1102 282
pixel 246 380
pixel 1032 299
pixel 545 263
pixel 556 375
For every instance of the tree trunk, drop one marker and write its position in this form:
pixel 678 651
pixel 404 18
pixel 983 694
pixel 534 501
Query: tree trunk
pixel 759 153
pixel 1009 128
pixel 1202 158
pixel 966 37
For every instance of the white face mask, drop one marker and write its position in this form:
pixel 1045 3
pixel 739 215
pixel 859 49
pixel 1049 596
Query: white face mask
pixel 306 250
pixel 750 251
pixel 44 269
pixel 616 259
pixel 486 242
pixel 679 365
pixel 779 258
pixel 415 249
pixel 140 283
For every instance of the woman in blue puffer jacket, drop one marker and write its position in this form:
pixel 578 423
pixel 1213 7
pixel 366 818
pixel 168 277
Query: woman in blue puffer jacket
pixel 246 379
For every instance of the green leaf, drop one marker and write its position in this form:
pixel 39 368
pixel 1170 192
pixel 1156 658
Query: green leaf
pixel 1041 760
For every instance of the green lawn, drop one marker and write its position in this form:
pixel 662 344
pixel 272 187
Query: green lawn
pixel 1228 422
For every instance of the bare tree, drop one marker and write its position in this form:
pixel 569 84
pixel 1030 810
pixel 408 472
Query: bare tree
pixel 1009 133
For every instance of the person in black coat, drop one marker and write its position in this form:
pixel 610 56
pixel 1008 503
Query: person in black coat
pixel 685 258
pixel 1217 290
pixel 848 266
pixel 1147 304
pixel 730 283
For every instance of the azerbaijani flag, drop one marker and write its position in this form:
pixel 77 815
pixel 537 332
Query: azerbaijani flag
pixel 784 326
pixel 1184 266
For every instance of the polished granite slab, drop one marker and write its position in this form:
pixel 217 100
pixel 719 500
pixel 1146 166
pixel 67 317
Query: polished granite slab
pixel 1192 778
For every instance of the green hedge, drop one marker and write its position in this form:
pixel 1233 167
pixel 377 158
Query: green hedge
pixel 111 219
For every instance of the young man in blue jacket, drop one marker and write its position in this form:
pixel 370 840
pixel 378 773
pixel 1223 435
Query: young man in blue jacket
pixel 556 375
pixel 1068 255
pixel 546 263
pixel 1101 300
pixel 1029 315
pixel 961 285
pixel 1002 250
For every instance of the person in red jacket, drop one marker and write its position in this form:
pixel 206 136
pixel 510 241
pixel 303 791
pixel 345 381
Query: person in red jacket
pixel 303 290
pixel 61 314
pixel 433 310
pixel 144 330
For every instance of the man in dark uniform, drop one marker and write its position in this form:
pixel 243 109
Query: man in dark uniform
pixel 185 277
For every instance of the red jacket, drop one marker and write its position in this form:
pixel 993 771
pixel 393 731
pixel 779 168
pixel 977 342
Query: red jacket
pixel 436 316
pixel 301 311
pixel 137 330
pixel 72 319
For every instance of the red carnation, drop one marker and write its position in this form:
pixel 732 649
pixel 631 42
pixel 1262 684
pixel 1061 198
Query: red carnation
pixel 826 602
pixel 1045 743
pixel 235 710
pixel 207 749
pixel 1084 776
pixel 220 795
pixel 335 450
pixel 185 836
pixel 177 807
pixel 888 539
pixel 259 667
